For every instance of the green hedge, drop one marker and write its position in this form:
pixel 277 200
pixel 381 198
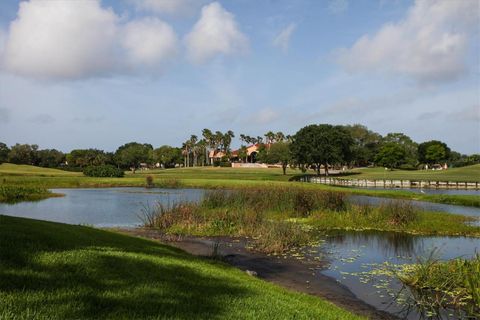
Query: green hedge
pixel 103 171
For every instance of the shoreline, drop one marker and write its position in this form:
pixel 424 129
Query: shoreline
pixel 288 272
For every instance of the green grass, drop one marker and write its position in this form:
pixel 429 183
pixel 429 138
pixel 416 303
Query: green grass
pixel 463 174
pixel 12 194
pixel 202 177
pixel 57 271
pixel 279 219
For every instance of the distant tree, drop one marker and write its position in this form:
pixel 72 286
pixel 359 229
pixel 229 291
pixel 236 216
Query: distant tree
pixel 391 155
pixel 433 151
pixel 130 155
pixel 23 154
pixel 50 158
pixel 323 144
pixel 366 144
pixel 243 153
pixel 82 158
pixel 278 153
pixel 167 156
pixel 227 141
pixel 409 146
pixel 4 150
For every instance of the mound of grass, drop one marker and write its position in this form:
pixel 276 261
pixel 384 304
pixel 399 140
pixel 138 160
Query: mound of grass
pixel 57 271
pixel 23 169
pixel 12 194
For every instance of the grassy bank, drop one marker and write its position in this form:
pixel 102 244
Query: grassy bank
pixel 12 194
pixel 56 271
pixel 446 284
pixel 281 218
pixel 463 174
pixel 199 177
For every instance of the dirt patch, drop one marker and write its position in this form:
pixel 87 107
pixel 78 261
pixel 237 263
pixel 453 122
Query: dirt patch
pixel 291 273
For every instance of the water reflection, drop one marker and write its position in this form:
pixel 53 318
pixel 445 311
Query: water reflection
pixel 105 207
pixel 363 261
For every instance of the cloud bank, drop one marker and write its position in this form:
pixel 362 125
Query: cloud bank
pixel 80 39
pixel 216 32
pixel 430 44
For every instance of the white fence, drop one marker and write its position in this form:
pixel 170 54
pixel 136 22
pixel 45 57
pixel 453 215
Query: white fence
pixel 392 183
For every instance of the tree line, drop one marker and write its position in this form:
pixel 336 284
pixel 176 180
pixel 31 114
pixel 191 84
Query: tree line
pixel 312 147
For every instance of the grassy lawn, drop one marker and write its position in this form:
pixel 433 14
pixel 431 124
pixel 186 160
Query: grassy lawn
pixel 464 174
pixel 57 271
pixel 205 177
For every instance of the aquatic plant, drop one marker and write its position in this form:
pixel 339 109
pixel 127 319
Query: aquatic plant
pixel 398 212
pixel 446 284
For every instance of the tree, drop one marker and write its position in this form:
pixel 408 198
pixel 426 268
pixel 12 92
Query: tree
pixel 365 144
pixel 243 153
pixel 323 144
pixel 435 153
pixel 50 158
pixel 391 155
pixel 88 157
pixel 130 155
pixel 279 152
pixel 408 145
pixel 23 154
pixel 167 156
pixel 227 141
pixel 439 151
pixel 4 150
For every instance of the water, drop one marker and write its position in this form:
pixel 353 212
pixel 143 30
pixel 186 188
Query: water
pixel 106 207
pixel 429 206
pixel 359 260
pixel 471 192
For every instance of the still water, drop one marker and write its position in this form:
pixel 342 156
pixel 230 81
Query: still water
pixel 105 207
pixel 362 261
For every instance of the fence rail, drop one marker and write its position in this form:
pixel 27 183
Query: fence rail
pixel 391 183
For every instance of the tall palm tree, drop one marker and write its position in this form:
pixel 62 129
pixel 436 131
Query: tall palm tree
pixel 208 137
pixel 193 147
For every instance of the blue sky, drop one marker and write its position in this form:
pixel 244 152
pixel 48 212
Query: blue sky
pixel 78 74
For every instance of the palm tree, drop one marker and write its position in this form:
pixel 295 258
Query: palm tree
pixel 193 146
pixel 208 137
pixel 269 137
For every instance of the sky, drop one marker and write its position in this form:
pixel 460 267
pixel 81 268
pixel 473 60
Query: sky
pixel 91 73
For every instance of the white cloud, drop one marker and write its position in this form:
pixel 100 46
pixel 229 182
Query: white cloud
pixel 338 6
pixel 80 39
pixel 216 32
pixel 168 6
pixel 282 40
pixel 149 42
pixel 430 44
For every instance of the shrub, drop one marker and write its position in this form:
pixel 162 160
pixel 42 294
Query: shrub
pixel 103 171
pixel 12 194
pixel 149 182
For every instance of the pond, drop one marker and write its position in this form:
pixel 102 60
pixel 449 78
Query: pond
pixel 105 207
pixel 359 260
pixel 353 257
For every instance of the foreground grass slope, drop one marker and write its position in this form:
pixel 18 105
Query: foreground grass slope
pixel 57 271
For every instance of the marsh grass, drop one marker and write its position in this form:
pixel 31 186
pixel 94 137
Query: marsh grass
pixel 169 183
pixel 149 182
pixel 446 284
pixel 398 212
pixel 14 193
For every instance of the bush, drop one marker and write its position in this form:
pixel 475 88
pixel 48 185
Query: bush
pixel 149 182
pixel 103 171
